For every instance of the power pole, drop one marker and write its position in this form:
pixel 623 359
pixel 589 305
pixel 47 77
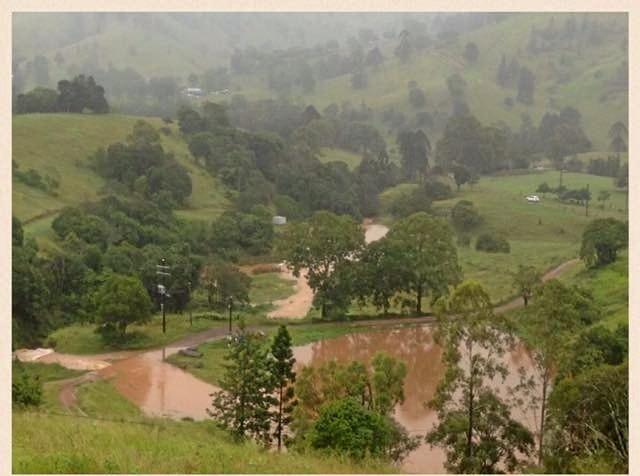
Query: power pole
pixel 162 271
pixel 230 311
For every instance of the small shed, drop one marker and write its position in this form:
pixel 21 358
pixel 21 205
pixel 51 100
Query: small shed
pixel 279 220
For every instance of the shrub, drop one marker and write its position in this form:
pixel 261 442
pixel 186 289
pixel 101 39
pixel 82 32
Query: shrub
pixel 26 390
pixel 437 190
pixel 465 216
pixel 492 243
pixel 348 427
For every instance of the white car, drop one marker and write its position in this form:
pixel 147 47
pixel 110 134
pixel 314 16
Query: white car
pixel 533 198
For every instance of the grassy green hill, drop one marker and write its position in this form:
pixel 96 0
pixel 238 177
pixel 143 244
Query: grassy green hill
pixel 58 145
pixel 587 76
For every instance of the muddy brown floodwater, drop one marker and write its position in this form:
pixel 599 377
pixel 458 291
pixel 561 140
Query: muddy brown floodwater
pixel 416 347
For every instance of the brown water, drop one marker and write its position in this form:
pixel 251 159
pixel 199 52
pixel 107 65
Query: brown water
pixel 416 347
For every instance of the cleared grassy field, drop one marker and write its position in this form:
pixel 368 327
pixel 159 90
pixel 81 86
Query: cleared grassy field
pixel 269 287
pixel 58 145
pixel 82 339
pixel 544 234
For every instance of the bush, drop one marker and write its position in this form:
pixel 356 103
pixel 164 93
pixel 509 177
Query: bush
pixel 465 216
pixel 348 427
pixel 437 190
pixel 492 243
pixel 26 390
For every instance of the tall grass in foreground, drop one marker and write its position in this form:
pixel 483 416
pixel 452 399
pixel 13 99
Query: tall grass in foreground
pixel 70 444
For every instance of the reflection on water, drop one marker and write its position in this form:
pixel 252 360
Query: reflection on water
pixel 423 357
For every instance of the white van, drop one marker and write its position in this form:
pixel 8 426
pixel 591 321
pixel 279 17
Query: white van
pixel 533 198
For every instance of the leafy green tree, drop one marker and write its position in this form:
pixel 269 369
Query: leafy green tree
pixel 466 142
pixel 549 322
pixel 415 150
pixel 601 241
pixel 591 421
pixel 30 296
pixel 427 255
pixel 80 93
pixel 285 377
pixel 320 246
pixel 465 216
pixel 596 346
pixel 378 275
pixel 223 281
pixel 121 301
pixel 475 427
pixel 37 100
pixel 525 281
pixel 461 175
pixel 243 406
pixel 387 383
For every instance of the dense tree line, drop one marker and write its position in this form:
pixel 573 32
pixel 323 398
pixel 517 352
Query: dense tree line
pixel 144 168
pixel 416 258
pixel 71 96
pixel 266 168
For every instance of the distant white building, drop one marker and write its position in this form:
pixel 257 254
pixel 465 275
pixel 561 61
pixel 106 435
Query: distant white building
pixel 279 220
pixel 193 92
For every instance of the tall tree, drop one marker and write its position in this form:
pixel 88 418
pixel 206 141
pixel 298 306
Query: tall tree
pixel 601 241
pixel 282 370
pixel 405 49
pixel 550 322
pixel 415 150
pixel 525 281
pixel 243 406
pixel 426 255
pixel 320 247
pixel 502 76
pixel 526 86
pixel 475 426
pixel 618 134
pixel 121 301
